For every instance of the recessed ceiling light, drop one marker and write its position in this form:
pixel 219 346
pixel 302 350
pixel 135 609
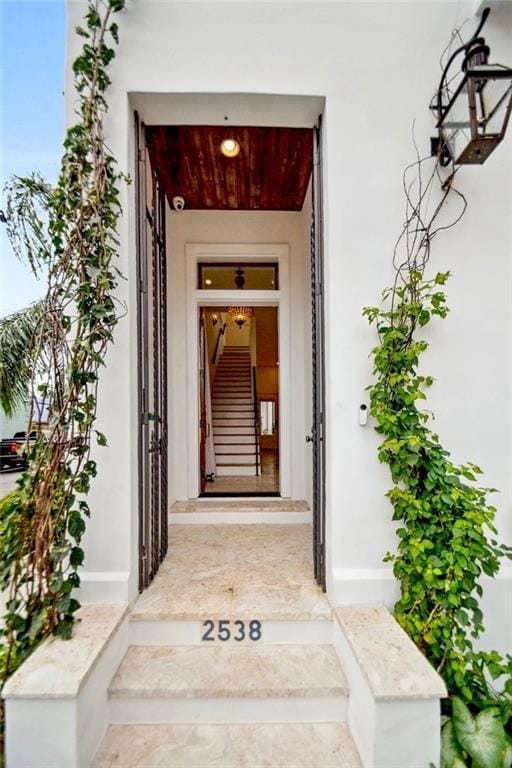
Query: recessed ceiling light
pixel 207 281
pixel 230 147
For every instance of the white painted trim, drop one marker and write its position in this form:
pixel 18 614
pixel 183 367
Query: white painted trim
pixel 195 252
pixel 256 109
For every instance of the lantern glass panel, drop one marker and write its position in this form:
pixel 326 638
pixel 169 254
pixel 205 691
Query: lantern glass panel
pixel 492 100
pixel 456 124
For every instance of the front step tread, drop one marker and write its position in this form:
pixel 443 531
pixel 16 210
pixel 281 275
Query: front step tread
pixel 229 671
pixel 263 745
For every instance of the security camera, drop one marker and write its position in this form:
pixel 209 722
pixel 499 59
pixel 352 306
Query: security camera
pixel 178 203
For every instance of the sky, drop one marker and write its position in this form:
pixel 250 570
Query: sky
pixel 32 71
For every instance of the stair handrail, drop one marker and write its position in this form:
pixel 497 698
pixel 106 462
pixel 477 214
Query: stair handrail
pixel 221 332
pixel 256 419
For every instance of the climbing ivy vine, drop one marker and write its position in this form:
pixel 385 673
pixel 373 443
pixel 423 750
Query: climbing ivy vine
pixel 67 233
pixel 446 534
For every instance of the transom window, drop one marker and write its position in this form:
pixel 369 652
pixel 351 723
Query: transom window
pixel 235 276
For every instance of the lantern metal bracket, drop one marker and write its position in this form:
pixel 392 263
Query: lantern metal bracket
pixel 472 121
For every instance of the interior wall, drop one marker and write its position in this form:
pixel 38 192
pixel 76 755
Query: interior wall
pixel 237 227
pixel 235 336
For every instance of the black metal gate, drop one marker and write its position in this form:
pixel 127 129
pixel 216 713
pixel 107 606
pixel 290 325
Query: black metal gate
pixel 152 363
pixel 317 436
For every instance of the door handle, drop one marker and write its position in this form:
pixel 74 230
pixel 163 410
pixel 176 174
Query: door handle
pixel 309 438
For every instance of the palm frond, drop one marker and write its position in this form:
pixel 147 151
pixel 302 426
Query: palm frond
pixel 19 334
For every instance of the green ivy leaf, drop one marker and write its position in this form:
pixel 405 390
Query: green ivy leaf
pixel 424 317
pixel 76 557
pixel 100 438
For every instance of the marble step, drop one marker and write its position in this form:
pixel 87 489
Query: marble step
pixel 263 745
pixel 250 511
pixel 240 505
pixel 226 682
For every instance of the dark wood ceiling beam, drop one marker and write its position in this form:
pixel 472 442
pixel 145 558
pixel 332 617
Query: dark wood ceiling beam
pixel 271 172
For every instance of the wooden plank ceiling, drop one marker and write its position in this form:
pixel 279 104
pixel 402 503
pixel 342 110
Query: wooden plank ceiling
pixel 271 172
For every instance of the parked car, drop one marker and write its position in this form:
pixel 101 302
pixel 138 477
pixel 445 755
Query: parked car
pixel 14 450
pixel 12 454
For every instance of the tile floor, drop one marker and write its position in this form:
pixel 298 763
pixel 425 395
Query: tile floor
pixel 267 482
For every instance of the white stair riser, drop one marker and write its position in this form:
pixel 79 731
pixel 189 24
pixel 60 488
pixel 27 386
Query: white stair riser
pixel 235 440
pixel 241 416
pixel 230 470
pixel 311 632
pixel 226 422
pixel 236 458
pixel 224 710
pixel 233 430
pixel 224 411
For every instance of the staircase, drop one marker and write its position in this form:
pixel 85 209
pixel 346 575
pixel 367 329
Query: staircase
pixel 234 432
pixel 233 656
pixel 270 694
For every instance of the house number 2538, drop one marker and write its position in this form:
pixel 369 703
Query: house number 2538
pixel 225 630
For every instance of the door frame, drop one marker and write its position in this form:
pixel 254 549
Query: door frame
pixel 152 374
pixel 197 298
pixel 318 431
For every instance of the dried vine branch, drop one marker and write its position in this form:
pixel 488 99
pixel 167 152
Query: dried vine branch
pixel 69 234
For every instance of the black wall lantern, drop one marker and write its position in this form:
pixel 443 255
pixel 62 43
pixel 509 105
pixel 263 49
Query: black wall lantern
pixel 472 121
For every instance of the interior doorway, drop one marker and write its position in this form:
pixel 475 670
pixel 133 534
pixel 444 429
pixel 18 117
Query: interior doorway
pixel 239 400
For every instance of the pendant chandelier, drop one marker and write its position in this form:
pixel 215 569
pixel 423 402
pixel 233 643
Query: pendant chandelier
pixel 240 315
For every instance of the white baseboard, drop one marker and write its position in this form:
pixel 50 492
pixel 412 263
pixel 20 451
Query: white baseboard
pixel 363 585
pixel 104 587
pixel 378 585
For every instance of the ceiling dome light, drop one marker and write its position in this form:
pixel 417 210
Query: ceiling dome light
pixel 230 147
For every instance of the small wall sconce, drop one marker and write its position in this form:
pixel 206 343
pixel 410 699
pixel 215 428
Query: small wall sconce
pixel 473 120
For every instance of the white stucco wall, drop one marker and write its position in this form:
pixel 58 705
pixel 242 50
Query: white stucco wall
pixel 376 64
